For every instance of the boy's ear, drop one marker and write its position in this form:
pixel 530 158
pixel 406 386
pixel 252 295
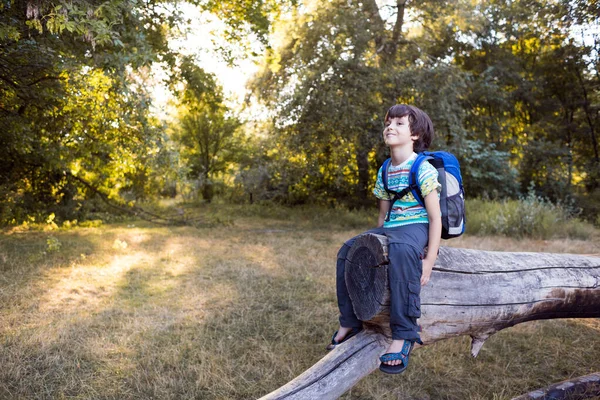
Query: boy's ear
pixel 414 137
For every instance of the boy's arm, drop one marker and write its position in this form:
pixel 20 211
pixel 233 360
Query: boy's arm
pixel 384 206
pixel 432 205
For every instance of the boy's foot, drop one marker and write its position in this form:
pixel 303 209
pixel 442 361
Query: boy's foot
pixel 395 360
pixel 395 347
pixel 341 335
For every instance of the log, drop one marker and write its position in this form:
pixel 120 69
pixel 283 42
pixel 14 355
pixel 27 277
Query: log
pixel 471 292
pixel 581 388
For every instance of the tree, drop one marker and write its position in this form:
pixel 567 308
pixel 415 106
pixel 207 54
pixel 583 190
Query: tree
pixel 75 120
pixel 509 87
pixel 206 128
pixel 331 81
pixel 534 81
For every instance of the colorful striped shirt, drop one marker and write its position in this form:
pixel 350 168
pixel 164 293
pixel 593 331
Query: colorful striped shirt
pixel 407 210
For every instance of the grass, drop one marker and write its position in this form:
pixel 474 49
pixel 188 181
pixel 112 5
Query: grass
pixel 233 310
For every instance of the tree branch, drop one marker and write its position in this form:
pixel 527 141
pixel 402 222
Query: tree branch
pixel 397 33
pixel 131 210
pixel 46 78
pixel 583 387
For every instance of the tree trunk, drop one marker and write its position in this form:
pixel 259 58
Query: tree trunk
pixel 471 292
pixel 362 161
pixel 206 187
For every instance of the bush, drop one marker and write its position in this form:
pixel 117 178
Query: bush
pixel 590 206
pixel 531 216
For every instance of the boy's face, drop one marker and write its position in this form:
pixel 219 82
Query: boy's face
pixel 397 132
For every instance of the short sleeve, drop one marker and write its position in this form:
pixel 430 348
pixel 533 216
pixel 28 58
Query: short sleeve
pixel 428 178
pixel 379 190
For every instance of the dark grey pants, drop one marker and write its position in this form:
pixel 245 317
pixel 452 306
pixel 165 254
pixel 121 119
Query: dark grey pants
pixel 406 244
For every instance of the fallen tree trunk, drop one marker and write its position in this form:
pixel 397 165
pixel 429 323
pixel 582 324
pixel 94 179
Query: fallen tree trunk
pixel 581 388
pixel 471 292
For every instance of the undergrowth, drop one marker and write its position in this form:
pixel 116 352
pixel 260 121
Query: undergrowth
pixel 531 217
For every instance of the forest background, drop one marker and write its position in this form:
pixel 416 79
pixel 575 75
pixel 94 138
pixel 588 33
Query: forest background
pixel 512 87
pixel 228 299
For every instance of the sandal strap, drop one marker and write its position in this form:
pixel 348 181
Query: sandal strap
pixel 333 341
pixel 353 332
pixel 402 355
pixel 387 357
pixel 407 347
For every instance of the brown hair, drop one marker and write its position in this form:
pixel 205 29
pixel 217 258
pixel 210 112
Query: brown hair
pixel 419 122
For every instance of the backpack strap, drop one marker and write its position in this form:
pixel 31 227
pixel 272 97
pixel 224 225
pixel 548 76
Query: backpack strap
pixel 413 177
pixel 384 175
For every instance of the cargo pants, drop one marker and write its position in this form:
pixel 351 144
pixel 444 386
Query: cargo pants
pixel 406 245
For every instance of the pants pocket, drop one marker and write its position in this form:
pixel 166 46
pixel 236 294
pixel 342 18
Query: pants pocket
pixel 414 299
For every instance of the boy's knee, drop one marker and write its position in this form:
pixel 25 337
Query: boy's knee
pixel 405 262
pixel 343 251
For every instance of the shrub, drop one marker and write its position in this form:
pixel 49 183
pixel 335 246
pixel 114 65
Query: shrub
pixel 530 216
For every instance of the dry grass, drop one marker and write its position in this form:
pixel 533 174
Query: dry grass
pixel 232 312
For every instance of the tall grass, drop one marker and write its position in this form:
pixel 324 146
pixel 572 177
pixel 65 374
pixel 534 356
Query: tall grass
pixel 531 217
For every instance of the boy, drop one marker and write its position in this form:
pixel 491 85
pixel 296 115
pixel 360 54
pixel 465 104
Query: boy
pixel 410 228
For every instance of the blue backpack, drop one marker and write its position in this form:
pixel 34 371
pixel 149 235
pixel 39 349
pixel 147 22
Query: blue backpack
pixel 452 198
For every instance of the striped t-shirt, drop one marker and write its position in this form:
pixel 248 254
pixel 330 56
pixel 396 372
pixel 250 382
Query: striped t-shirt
pixel 407 210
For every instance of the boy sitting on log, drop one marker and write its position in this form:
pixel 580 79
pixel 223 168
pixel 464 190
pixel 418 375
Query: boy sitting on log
pixel 409 227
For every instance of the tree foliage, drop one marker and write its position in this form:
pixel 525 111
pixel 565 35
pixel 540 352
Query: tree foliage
pixel 75 116
pixel 510 86
pixel 74 102
pixel 205 128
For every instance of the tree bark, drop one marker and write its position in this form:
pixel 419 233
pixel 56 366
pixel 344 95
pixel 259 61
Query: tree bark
pixel 471 292
pixel 362 161
pixel 397 33
pixel 588 115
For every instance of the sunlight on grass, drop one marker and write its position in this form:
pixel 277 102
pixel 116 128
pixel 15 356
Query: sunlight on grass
pixel 87 286
pixel 588 323
pixel 261 255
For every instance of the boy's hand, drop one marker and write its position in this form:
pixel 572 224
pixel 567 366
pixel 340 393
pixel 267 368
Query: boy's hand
pixel 427 268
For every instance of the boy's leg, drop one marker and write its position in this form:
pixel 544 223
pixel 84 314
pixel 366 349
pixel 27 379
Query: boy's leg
pixel 348 318
pixel 406 246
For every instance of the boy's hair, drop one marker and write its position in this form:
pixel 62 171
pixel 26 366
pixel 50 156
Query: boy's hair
pixel 419 122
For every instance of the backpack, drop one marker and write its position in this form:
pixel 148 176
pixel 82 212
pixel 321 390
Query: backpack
pixel 452 198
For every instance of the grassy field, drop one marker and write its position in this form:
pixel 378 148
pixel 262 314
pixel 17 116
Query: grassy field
pixel 233 311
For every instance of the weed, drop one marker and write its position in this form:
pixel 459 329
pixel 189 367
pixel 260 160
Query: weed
pixel 92 223
pixel 53 244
